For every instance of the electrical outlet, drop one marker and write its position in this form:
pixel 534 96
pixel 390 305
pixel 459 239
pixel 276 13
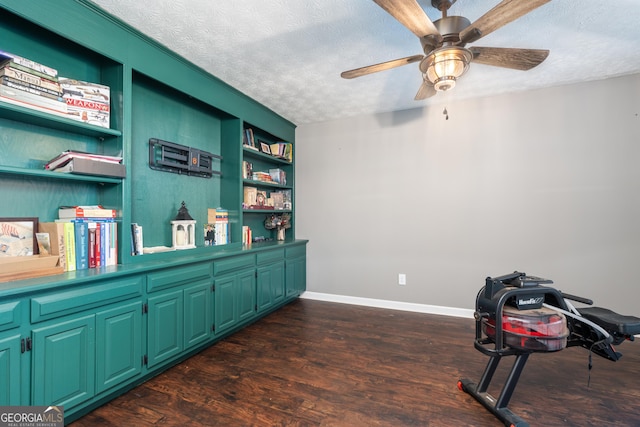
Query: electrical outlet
pixel 402 279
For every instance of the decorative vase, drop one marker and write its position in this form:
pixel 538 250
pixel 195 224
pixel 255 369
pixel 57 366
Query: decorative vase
pixel 280 234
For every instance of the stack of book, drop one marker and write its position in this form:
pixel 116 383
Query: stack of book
pixel 248 140
pixel 83 237
pixel 246 235
pixel 87 102
pixel 79 162
pixel 30 84
pixel 262 176
pixel 283 150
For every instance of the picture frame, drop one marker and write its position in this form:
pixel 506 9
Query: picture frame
pixel 18 236
pixel 264 147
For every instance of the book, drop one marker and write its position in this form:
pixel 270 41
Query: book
pixel 82 244
pixel 288 151
pixel 283 150
pixel 81 166
pixel 99 243
pixel 56 236
pixel 211 215
pixel 24 93
pixel 26 77
pixel 250 138
pixel 31 88
pixel 87 102
pixel 247 170
pixel 91 244
pixel 33 66
pixel 70 245
pixel 105 243
pixel 137 243
pixel 88 212
pixel 246 235
pixel 66 156
pixel 85 91
pixel 29 100
pixel 111 243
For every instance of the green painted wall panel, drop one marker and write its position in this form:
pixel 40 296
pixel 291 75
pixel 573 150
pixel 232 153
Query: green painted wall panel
pixel 189 106
pixel 86 24
pixel 162 112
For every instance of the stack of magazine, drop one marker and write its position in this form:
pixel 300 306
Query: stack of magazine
pixel 79 162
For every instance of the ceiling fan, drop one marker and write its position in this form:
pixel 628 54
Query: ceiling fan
pixel 445 56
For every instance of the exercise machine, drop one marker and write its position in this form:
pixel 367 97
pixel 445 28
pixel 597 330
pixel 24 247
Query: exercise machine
pixel 517 315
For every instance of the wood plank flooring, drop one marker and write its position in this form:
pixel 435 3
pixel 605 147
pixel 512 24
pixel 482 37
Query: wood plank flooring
pixel 316 363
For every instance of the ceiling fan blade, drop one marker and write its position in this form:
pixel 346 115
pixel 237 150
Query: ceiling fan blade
pixel 411 15
pixel 516 59
pixel 380 67
pixel 505 12
pixel 426 91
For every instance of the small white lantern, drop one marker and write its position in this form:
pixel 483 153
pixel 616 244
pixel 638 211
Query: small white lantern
pixel 183 230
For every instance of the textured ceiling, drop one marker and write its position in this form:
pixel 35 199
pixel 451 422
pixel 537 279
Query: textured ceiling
pixel 288 54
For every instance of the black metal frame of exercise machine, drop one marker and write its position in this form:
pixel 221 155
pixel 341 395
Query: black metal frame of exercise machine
pixel 593 328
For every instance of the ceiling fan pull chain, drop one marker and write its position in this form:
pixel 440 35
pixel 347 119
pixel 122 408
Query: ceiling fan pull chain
pixel 446 114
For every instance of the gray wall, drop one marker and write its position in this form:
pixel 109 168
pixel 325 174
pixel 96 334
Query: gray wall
pixel 545 182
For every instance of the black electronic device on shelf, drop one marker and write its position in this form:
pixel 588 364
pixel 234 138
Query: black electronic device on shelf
pixel 517 315
pixel 175 158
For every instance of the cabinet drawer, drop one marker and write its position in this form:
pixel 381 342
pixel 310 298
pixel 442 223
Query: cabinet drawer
pixel 10 314
pixel 296 251
pixel 270 256
pixel 178 276
pixel 235 263
pixel 80 299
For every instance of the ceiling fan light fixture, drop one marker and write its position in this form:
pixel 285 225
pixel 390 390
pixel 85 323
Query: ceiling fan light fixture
pixel 443 66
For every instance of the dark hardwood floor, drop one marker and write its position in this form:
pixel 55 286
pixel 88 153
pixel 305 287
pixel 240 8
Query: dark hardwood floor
pixel 316 363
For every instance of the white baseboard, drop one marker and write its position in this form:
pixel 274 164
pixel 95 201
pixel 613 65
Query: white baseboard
pixel 392 305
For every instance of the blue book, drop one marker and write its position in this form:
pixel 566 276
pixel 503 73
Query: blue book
pixel 104 246
pixel 82 245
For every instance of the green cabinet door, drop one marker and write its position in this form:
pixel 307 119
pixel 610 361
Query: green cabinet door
pixel 64 363
pixel 277 281
pixel 270 285
pixel 10 369
pixel 197 314
pixel 235 299
pixel 296 276
pixel 118 345
pixel 165 326
pixel 246 294
pixel 264 299
pixel 226 303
